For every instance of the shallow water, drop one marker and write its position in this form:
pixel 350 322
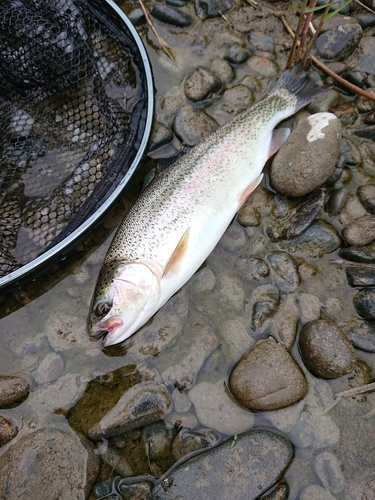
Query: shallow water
pixel 49 315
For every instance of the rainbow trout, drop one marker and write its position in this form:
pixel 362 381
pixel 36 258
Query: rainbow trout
pixel 180 217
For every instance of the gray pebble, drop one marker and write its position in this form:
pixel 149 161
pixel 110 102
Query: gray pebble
pixel 364 255
pixel 336 201
pixel 315 492
pixel 201 84
pixel 366 195
pixel 171 15
pixel 360 276
pixel 318 239
pixel 338 43
pixel 364 303
pixel 328 470
pixel 305 214
pixel 361 333
pixel 50 369
pixel 360 232
pixel 283 271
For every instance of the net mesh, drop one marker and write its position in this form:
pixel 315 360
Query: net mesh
pixel 71 102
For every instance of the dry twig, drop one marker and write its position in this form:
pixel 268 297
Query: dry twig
pixel 163 44
pixel 329 72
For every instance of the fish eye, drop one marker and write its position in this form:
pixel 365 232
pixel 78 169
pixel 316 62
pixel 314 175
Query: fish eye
pixel 102 309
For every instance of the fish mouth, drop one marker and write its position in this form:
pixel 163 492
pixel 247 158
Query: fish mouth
pixel 105 327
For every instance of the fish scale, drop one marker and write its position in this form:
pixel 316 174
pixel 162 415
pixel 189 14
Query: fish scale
pixel 182 214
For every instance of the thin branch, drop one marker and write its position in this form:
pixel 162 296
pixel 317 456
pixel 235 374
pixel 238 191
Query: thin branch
pixel 344 262
pixel 226 19
pixel 365 6
pixel 167 49
pixel 329 72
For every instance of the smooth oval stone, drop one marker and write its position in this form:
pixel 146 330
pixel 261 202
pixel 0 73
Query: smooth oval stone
pixel 14 389
pixel 337 200
pixel 326 350
pixel 201 84
pixel 364 255
pixel 305 214
pixel 238 55
pixel 318 239
pixel 8 430
pixel 360 276
pixel 361 333
pixel 364 303
pixel 308 157
pixel 283 270
pixel 213 8
pixel 360 232
pixel 338 43
pixel 48 463
pixel 328 470
pixel 141 405
pixel 267 378
pixel 170 15
pixel 235 470
pixel 366 195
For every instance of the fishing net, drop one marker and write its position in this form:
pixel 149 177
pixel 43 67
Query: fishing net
pixel 72 103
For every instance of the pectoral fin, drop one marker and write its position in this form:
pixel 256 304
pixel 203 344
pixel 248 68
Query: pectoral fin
pixel 249 190
pixel 178 253
pixel 279 136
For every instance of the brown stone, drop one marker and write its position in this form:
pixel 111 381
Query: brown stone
pixel 267 377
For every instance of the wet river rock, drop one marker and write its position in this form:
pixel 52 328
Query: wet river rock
pixel 245 468
pixel 267 378
pixel 201 84
pixel 8 430
pixel 364 303
pixel 338 43
pixel 171 15
pixel 366 194
pixel 142 404
pixel 364 255
pixel 361 333
pixel 360 232
pixel 360 276
pixel 284 271
pixel 13 390
pixel 48 463
pixel 326 350
pixel 318 239
pixel 308 157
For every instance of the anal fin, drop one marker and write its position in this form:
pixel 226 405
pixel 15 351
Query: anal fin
pixel 178 253
pixel 250 188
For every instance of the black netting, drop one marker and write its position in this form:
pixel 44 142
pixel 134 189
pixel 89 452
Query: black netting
pixel 71 100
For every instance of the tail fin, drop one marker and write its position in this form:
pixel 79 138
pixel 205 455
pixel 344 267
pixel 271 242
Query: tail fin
pixel 296 81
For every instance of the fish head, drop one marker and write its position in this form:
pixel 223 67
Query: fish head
pixel 125 297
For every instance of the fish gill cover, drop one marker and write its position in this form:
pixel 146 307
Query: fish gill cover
pixel 72 103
